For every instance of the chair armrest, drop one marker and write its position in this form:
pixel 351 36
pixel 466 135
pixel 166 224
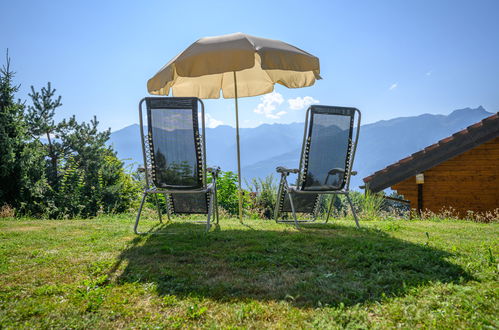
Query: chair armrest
pixel 336 170
pixel 214 170
pixel 340 170
pixel 284 170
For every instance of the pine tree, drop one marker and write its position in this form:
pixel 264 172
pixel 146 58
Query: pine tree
pixel 22 176
pixel 12 136
pixel 40 120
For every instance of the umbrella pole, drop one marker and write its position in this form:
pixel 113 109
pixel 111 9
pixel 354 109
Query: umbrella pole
pixel 240 192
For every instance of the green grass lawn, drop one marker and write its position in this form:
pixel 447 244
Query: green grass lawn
pixel 97 274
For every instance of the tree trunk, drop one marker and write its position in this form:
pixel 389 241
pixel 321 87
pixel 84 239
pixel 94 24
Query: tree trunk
pixel 53 159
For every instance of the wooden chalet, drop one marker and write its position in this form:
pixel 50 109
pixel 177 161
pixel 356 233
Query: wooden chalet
pixel 460 171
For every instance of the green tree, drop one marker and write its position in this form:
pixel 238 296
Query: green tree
pixel 12 136
pixel 85 175
pixel 91 171
pixel 40 121
pixel 22 178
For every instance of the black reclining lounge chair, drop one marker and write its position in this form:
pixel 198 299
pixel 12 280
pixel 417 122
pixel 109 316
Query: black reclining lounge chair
pixel 175 157
pixel 326 161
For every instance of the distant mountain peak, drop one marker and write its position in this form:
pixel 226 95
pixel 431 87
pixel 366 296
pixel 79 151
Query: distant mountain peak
pixel 480 110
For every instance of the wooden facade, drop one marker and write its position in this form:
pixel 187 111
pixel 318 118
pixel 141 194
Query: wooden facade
pixel 460 172
pixel 467 182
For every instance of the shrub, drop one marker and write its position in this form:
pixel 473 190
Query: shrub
pixel 371 205
pixel 227 193
pixel 119 190
pixel 263 196
pixel 6 211
pixel 449 213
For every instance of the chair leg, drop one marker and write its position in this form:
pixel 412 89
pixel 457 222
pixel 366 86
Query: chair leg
pixel 293 210
pixel 353 211
pixel 317 208
pixel 167 207
pixel 158 207
pixel 216 206
pixel 330 207
pixel 280 191
pixel 138 214
pixel 276 211
pixel 210 210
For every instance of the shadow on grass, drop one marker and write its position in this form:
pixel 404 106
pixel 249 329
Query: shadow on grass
pixel 328 264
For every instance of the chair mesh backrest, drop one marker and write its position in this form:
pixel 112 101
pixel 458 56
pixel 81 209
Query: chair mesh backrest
pixel 327 153
pixel 174 142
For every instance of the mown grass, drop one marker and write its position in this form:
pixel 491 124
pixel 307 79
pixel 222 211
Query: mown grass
pixel 97 274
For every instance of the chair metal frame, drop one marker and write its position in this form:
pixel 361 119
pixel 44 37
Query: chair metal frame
pixel 150 188
pixel 295 190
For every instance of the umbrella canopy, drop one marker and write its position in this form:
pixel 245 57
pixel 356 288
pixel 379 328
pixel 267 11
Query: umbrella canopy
pixel 207 66
pixel 239 65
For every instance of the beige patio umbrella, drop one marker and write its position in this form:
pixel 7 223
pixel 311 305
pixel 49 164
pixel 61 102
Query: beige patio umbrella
pixel 239 65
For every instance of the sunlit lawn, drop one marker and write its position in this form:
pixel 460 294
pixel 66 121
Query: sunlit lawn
pixel 96 273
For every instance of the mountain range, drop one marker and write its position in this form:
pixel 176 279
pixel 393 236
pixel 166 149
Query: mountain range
pixel 267 146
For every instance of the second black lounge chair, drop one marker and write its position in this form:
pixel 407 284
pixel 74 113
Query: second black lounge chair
pixel 326 162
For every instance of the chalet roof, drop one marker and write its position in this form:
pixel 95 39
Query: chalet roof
pixel 447 148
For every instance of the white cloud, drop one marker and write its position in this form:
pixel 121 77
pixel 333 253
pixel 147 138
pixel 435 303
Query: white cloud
pixel 269 104
pixel 210 122
pixel 301 102
pixel 393 86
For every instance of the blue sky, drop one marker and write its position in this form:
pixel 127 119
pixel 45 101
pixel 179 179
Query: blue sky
pixel 387 58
